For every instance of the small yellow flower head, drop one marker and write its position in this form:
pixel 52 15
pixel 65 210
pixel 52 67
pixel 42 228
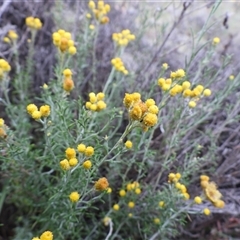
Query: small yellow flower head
pixel 186 85
pixel 67 73
pixel 180 73
pixel 36 115
pixel 46 236
pixel 150 102
pixel 101 105
pixel 131 204
pixel 1 122
pixel 216 41
pixel 178 176
pixel 171 177
pixel 35 238
pixel 207 92
pixel 206 211
pixel 100 96
pixel 70 153
pixel 183 188
pixel 88 15
pixel 138 191
pixel 204 178
pixel 12 35
pixel 156 220
pixel 219 204
pixel 128 144
pixel 153 109
pixel 45 110
pixel 89 151
pixel 231 77
pixel 192 104
pixel 68 84
pixel 106 221
pixel 161 82
pixel 2 133
pixel 101 184
pixel 6 40
pixel 73 162
pixel 165 66
pixel 130 215
pixel 161 204
pixel 150 119
pixel 136 112
pixel 87 164
pixel 74 196
pixel 204 184
pixel 81 148
pixel 116 207
pixel 31 108
pixel 122 193
pixel 109 190
pixel 45 86
pixel 72 50
pixel 91 27
pixel 212 193
pixel 198 200
pixel 186 196
pixel 64 164
pixel 91 5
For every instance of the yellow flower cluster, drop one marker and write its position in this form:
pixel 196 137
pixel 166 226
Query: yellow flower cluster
pixel 63 40
pixel 36 114
pixel 88 152
pixel 133 187
pixel 33 23
pixel 74 196
pixel 118 65
pixel 211 192
pixel 100 11
pixel 174 178
pixel 185 89
pixel 70 161
pixel 96 102
pixel 11 36
pixel 101 184
pixel 47 235
pixel 4 68
pixel 68 83
pixel 144 112
pixel 123 38
pixel 2 129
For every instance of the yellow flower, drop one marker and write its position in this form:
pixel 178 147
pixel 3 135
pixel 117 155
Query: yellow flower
pixel 116 207
pixel 36 115
pixel 130 215
pixel 2 133
pixel 45 86
pixel 31 108
pixel 106 221
pixel 70 153
pixel 73 162
pixel 67 73
pixel 46 236
pixel 45 110
pixel 215 41
pixel 81 148
pixel 138 191
pixel 204 178
pixel 165 66
pixel 122 193
pixel 198 200
pixel 161 204
pixel 131 204
pixel 150 119
pixel 109 190
pixel 186 85
pixel 206 211
pixel 186 196
pixel 212 193
pixel 87 164
pixel 128 144
pixel 192 104
pixel 6 40
pixel 102 184
pixel 89 151
pixel 64 164
pixel 153 109
pixel 35 238
pixel 74 196
pixel 231 77
pixel 68 84
pixel 12 35
pixel 1 122
pixel 150 102
pixel 101 105
pixel 156 220
pixel 91 27
pixel 91 4
pixel 219 204
pixel 100 96
pixel 207 92
pixel 72 50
